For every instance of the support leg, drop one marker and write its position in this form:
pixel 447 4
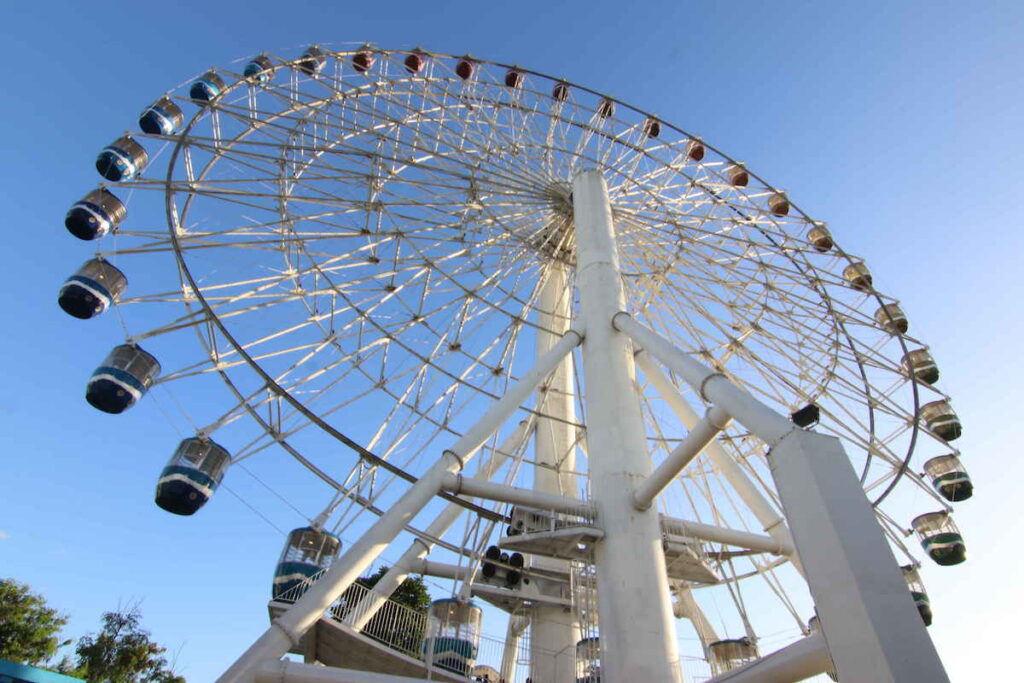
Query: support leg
pixel 638 639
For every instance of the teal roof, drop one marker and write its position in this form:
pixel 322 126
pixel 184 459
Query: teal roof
pixel 22 673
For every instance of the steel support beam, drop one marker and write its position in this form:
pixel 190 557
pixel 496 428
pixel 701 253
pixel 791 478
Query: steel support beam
pixel 638 639
pixel 554 630
pixel 701 434
pixel 454 483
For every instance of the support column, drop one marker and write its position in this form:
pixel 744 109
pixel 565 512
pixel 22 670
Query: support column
pixel 638 639
pixel 869 620
pixel 554 630
pixel 517 623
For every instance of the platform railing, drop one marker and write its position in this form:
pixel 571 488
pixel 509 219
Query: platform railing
pixel 402 629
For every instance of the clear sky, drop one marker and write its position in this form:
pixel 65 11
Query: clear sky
pixel 898 123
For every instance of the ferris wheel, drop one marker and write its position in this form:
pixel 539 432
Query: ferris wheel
pixel 378 255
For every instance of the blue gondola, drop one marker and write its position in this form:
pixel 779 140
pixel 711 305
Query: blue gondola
pixel 95 215
pixel 307 551
pixel 207 88
pixel 91 290
pixel 123 159
pixel 122 379
pixel 259 70
pixel 192 475
pixel 311 61
pixel 161 118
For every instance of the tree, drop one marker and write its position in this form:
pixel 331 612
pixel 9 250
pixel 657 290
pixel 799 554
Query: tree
pixel 399 627
pixel 28 628
pixel 122 652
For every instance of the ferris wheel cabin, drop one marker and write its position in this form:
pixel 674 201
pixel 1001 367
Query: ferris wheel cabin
pixel 453 635
pixel 91 289
pixel 892 319
pixel 363 60
pixel 920 365
pixel 306 553
pixel 259 69
pixel 192 475
pixel 949 478
pixel 207 88
pixel 161 118
pixel 858 275
pixel 820 238
pixel 940 538
pixel 940 419
pixel 918 592
pixel 122 159
pixel 311 61
pixel 96 214
pixel 726 655
pixel 122 379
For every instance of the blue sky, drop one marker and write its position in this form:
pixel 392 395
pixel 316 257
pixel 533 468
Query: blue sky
pixel 898 123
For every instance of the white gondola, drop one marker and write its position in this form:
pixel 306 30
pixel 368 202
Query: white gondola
pixel 940 419
pixel 940 538
pixel 820 238
pixel 858 275
pixel 892 319
pixel 949 477
pixel 920 365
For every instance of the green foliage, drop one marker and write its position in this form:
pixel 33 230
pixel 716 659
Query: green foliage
pixel 122 653
pixel 28 628
pixel 397 627
pixel 412 592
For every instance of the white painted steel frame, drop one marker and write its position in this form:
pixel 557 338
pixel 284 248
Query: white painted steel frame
pixel 867 614
pixel 287 629
pixel 638 639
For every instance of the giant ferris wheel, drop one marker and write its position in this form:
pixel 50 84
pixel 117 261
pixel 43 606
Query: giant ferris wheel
pixel 671 376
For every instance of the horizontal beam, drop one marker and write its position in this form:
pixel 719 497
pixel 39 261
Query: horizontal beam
pixel 459 485
pixel 689 448
pixel 718 534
